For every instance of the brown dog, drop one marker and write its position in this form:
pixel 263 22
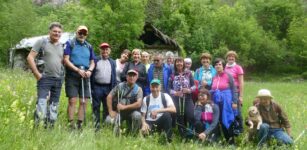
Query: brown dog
pixel 254 121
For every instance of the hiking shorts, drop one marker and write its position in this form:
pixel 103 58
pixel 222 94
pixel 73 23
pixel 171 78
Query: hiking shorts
pixel 73 86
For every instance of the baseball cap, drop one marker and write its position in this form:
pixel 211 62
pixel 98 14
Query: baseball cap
pixel 104 45
pixel 132 71
pixel 82 28
pixel 155 81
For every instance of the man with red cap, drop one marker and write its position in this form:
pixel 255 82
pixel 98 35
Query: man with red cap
pixel 79 62
pixel 103 81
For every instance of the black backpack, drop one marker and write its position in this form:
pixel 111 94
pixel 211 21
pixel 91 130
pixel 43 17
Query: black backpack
pixel 148 100
pixel 39 60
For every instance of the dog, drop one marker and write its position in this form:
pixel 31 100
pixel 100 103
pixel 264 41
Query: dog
pixel 254 121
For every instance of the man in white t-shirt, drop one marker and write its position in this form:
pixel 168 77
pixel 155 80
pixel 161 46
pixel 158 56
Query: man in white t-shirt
pixel 156 116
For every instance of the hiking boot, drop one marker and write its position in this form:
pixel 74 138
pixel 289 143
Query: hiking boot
pixel 79 124
pixel 51 124
pixel 45 124
pixel 71 125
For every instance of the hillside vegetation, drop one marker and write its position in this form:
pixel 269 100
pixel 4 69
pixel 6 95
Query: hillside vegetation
pixel 269 35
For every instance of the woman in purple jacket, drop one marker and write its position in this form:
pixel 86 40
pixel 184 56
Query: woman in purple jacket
pixel 180 85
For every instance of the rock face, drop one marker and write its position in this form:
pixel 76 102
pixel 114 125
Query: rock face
pixel 53 2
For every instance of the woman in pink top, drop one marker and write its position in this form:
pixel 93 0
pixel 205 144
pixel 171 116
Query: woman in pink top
pixel 237 73
pixel 223 95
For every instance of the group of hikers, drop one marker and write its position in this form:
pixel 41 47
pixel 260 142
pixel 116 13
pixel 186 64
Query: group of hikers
pixel 151 97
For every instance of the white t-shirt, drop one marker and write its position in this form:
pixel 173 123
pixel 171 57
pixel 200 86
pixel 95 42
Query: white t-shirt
pixel 119 69
pixel 154 104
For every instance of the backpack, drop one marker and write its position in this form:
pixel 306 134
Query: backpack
pixel 148 100
pixel 207 114
pixel 196 91
pixel 39 60
pixel 72 43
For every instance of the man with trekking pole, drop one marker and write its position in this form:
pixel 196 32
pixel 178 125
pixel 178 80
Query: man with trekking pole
pixel 124 102
pixel 50 78
pixel 79 62
pixel 103 81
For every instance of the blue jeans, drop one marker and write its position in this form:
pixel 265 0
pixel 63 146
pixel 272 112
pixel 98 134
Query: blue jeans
pixel 48 86
pixel 265 132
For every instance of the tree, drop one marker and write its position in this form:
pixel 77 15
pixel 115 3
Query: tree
pixel 297 54
pixel 13 25
pixel 118 22
pixel 276 15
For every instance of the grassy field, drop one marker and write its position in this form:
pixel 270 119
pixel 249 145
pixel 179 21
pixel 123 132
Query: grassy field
pixel 18 97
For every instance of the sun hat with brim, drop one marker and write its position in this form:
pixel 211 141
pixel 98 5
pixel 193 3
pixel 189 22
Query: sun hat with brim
pixel 264 93
pixel 155 81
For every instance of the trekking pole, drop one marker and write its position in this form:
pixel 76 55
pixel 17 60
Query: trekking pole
pixel 183 97
pixel 83 100
pixel 118 101
pixel 300 135
pixel 117 119
pixel 187 129
pixel 90 90
pixel 183 105
pixel 91 98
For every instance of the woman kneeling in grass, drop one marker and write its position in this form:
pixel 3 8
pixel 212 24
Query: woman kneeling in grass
pixel 206 115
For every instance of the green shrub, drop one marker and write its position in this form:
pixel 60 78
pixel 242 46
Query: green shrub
pixel 304 75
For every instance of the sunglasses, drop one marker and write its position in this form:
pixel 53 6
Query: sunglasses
pixel 156 60
pixel 82 33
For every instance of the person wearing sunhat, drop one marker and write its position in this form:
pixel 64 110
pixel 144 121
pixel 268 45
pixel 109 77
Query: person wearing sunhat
pixel 156 109
pixel 124 102
pixel 103 81
pixel 79 61
pixel 275 121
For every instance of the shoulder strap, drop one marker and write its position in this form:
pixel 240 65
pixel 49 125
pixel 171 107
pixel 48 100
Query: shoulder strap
pixel 148 100
pixel 230 79
pixel 42 49
pixel 232 87
pixel 88 45
pixel 72 43
pixel 147 103
pixel 135 89
pixel 128 92
pixel 163 100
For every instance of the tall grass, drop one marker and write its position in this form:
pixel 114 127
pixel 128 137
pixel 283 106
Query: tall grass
pixel 17 103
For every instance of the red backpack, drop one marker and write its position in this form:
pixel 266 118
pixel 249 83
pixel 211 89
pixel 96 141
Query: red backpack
pixel 195 92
